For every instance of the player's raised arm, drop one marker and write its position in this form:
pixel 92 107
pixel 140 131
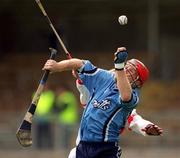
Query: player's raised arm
pixel 122 81
pixel 64 65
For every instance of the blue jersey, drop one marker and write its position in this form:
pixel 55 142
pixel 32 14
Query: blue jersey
pixel 105 114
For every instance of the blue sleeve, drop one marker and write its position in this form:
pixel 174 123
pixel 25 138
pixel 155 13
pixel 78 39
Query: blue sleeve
pixel 95 79
pixel 130 105
pixel 88 73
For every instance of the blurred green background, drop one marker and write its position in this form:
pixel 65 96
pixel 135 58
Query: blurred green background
pixel 90 30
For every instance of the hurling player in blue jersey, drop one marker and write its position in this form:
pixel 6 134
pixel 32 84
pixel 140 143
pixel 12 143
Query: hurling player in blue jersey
pixel 135 122
pixel 114 94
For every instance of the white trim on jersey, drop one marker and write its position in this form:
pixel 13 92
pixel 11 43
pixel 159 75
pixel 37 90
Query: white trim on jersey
pixel 107 129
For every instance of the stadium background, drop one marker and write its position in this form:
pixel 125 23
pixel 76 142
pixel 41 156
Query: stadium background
pixel 90 30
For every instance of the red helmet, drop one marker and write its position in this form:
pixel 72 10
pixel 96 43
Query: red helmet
pixel 137 72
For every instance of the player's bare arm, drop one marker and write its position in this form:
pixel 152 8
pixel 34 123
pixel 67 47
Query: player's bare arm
pixel 122 81
pixel 64 65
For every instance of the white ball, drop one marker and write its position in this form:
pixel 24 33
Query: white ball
pixel 123 20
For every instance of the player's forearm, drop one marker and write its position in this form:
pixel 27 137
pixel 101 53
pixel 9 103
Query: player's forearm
pixel 122 80
pixel 64 65
pixel 70 64
pixel 123 85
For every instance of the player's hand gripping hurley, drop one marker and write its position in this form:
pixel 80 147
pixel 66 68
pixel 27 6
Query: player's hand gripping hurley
pixel 23 133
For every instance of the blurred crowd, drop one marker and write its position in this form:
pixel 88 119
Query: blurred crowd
pixel 56 118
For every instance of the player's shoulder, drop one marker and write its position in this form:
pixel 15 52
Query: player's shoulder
pixel 88 67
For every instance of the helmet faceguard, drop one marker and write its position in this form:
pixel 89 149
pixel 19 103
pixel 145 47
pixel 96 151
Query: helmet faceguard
pixel 137 72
